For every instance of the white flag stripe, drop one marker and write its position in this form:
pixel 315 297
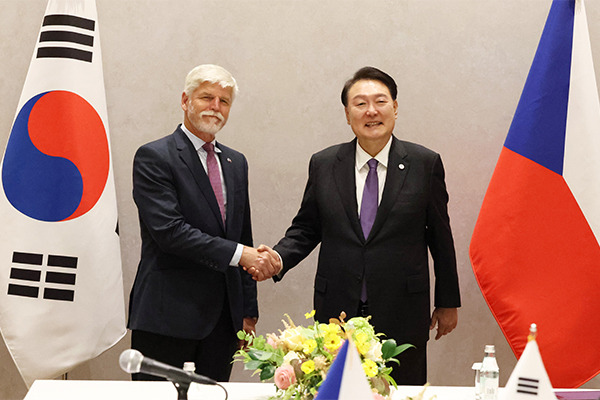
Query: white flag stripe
pixel 582 142
pixel 354 383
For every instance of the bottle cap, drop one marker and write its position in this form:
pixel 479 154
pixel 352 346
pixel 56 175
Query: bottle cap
pixel 489 348
pixel 189 366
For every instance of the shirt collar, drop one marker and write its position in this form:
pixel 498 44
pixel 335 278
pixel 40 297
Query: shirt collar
pixel 362 157
pixel 196 141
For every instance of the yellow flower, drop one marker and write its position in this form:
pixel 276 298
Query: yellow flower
pixel 308 366
pixel 332 342
pixel 310 314
pixel 309 346
pixel 330 329
pixel 363 347
pixel 370 368
pixel 362 344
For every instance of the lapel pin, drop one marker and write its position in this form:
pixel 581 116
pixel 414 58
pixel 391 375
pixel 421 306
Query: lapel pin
pixel 401 166
pixel 228 159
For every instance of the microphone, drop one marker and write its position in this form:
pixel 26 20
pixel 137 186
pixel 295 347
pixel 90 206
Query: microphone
pixel 132 361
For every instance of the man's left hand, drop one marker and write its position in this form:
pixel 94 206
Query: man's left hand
pixel 249 326
pixel 445 319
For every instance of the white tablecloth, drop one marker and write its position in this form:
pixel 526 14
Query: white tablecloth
pixel 127 390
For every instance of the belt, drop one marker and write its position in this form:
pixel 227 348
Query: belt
pixel 363 309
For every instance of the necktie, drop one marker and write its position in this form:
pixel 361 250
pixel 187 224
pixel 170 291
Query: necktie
pixel 214 176
pixel 368 210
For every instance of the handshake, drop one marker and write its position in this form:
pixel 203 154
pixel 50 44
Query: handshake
pixel 262 263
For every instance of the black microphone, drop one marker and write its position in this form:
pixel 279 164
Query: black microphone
pixel 132 361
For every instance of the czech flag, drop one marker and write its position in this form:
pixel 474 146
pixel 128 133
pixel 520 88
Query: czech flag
pixel 346 379
pixel 61 285
pixel 535 249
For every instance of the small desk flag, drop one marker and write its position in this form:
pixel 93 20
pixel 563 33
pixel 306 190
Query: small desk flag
pixel 534 249
pixel 529 380
pixel 61 285
pixel 346 379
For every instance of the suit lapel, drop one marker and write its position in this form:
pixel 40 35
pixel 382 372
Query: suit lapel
pixel 189 156
pixel 345 180
pixel 398 167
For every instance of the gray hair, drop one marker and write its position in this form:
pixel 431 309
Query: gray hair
pixel 209 73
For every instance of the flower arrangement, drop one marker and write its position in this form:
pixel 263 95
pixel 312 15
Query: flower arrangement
pixel 299 357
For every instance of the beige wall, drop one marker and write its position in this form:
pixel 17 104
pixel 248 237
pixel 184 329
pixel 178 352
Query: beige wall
pixel 460 66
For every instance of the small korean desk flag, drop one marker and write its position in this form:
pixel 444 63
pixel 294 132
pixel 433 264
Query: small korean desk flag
pixel 61 286
pixel 346 379
pixel 529 380
pixel 535 248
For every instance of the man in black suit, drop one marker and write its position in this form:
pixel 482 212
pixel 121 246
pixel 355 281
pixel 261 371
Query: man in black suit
pixel 190 297
pixel 376 205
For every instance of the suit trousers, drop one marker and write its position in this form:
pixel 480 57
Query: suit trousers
pixel 413 366
pixel 413 362
pixel 212 355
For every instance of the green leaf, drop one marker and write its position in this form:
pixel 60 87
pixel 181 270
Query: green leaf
pixel 261 355
pixel 253 364
pixel 389 349
pixel 241 335
pixel 267 372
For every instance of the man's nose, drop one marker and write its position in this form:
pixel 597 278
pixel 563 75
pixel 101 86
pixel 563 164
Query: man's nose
pixel 215 104
pixel 371 109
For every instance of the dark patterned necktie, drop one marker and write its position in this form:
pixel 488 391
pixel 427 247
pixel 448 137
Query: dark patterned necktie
pixel 214 176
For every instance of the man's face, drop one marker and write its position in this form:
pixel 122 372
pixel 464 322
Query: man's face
pixel 371 112
pixel 207 109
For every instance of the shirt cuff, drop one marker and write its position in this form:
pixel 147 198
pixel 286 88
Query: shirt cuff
pixel 280 263
pixel 237 256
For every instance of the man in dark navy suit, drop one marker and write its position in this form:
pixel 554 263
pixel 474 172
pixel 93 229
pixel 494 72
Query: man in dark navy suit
pixel 376 205
pixel 190 296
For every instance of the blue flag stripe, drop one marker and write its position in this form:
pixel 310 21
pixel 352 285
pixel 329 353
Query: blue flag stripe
pixel 538 127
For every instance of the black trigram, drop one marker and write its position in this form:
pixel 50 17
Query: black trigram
pixel 58 276
pixel 528 386
pixel 66 37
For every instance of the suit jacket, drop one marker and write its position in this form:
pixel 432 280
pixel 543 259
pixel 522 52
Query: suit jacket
pixel 412 217
pixel 184 278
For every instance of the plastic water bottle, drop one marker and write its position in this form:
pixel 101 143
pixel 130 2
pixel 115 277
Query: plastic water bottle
pixel 477 368
pixel 490 374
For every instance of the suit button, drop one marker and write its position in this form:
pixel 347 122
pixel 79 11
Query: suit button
pixel 358 278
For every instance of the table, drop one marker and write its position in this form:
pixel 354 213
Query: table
pixel 128 390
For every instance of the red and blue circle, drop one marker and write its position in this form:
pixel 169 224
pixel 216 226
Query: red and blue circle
pixel 57 158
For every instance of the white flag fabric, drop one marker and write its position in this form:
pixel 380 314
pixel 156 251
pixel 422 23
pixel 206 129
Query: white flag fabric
pixel 346 379
pixel 61 285
pixel 529 380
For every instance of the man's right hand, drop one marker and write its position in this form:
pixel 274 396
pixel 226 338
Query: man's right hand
pixel 261 264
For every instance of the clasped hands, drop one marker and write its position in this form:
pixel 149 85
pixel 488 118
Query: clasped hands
pixel 262 263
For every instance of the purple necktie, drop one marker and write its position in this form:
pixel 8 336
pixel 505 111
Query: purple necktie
pixel 368 210
pixel 214 176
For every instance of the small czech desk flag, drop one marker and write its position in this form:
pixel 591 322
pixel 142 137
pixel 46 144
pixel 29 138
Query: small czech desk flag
pixel 346 379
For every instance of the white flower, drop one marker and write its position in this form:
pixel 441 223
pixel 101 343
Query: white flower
pixel 287 359
pixel 374 352
pixel 292 338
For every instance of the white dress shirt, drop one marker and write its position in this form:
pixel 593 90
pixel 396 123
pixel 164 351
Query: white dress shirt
pixel 198 143
pixel 362 169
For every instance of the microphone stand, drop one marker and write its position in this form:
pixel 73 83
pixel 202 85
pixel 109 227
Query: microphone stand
pixel 182 389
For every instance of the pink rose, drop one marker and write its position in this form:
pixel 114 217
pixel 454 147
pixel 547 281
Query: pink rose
pixel 377 396
pixel 284 377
